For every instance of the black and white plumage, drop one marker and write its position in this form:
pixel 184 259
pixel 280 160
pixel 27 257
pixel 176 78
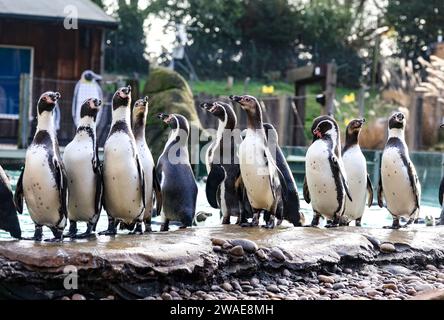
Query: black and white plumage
pixel 8 214
pixel 84 172
pixel 42 183
pixel 359 182
pixel 291 198
pixel 325 185
pixel 261 177
pixel 87 87
pixel 152 188
pixel 177 183
pixel 223 163
pixel 398 183
pixel 123 175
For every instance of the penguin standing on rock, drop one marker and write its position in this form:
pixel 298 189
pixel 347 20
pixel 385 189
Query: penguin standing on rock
pixel 8 215
pixel 42 183
pixel 441 197
pixel 291 199
pixel 223 163
pixel 261 177
pixel 358 180
pixel 140 112
pixel 325 184
pixel 398 183
pixel 123 176
pixel 177 183
pixel 84 172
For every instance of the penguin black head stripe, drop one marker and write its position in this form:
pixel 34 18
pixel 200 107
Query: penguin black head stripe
pixel 90 108
pixel 223 111
pixel 352 133
pixel 48 101
pixel 175 121
pixel 122 98
pixel 323 128
pixel 251 105
pixel 397 121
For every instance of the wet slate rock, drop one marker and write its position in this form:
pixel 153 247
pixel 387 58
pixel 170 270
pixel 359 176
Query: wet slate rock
pixel 248 245
pixel 387 247
pixel 237 251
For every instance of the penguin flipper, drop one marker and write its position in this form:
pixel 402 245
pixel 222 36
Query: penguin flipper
pixel 157 190
pixel 370 192
pixel 142 180
pixel 380 192
pixel 215 178
pixel 335 162
pixel 99 189
pixel 414 182
pixel 306 191
pixel 18 195
pixel 441 191
pixel 62 186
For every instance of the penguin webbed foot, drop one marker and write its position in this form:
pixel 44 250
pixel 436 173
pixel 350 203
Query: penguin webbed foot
pixel 148 228
pixel 87 234
pixel 165 226
pixel 138 229
pixel 38 235
pixel 270 223
pixel 395 225
pixel 226 220
pixel 72 232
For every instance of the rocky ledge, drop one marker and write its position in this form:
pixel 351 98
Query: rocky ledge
pixel 231 262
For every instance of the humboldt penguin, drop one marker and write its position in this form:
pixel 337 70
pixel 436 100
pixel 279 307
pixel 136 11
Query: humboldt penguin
pixel 325 184
pixel 177 184
pixel 152 188
pixel 87 87
pixel 358 180
pixel 84 172
pixel 123 175
pixel 261 177
pixel 398 183
pixel 291 198
pixel 8 214
pixel 223 163
pixel 42 183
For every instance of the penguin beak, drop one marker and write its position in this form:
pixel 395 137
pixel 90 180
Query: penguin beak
pixel 237 99
pixel 442 126
pixel 360 123
pixel 317 133
pixel 127 90
pixel 205 105
pixel 164 117
pixel 97 103
pixel 400 117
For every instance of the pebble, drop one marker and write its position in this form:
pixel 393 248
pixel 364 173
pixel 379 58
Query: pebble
pixel 218 242
pixel 248 245
pixel 287 273
pixel 390 286
pixel 283 282
pixel 277 254
pixel 237 251
pixel 273 288
pixel 431 267
pixel 326 279
pixel 424 287
pixel 227 245
pixel 338 286
pixel 216 288
pixel 227 286
pixel 254 282
pixel 217 249
pixel 247 288
pixel 65 298
pixel 236 286
pixel 78 296
pixel 387 247
pixel 348 271
pixel 253 293
pixel 166 296
pixel 372 293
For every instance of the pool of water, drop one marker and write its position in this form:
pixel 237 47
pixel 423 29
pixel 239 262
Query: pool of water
pixel 373 217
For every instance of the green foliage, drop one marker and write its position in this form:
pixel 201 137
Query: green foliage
pixel 125 52
pixel 251 38
pixel 418 24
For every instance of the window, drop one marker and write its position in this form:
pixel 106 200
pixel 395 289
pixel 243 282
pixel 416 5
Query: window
pixel 14 61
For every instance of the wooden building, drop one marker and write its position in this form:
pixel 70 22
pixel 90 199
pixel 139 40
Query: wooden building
pixel 36 46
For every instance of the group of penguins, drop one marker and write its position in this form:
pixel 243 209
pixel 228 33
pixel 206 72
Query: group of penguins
pixel 256 178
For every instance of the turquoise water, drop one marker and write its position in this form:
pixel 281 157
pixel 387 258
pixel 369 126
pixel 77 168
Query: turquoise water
pixel 373 217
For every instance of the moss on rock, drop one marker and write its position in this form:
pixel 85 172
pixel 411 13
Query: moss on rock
pixel 169 92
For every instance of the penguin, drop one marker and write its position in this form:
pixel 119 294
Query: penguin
pixel 123 175
pixel 86 87
pixel 358 180
pixel 325 184
pixel 291 208
pixel 177 183
pixel 8 214
pixel 398 182
pixel 261 177
pixel 43 183
pixel 84 172
pixel 152 188
pixel 223 163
